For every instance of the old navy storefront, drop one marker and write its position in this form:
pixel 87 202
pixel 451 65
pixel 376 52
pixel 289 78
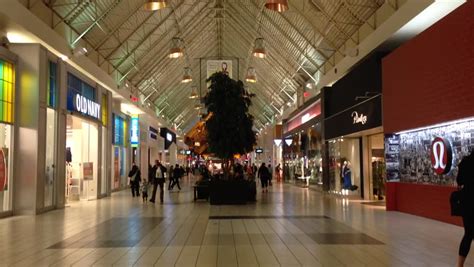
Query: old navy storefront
pixel 84 150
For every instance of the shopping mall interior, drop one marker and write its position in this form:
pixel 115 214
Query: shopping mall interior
pixel 236 132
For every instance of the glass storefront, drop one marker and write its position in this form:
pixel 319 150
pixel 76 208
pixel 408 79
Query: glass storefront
pixel 344 166
pixel 303 158
pixel 7 93
pixel 81 158
pixel 377 166
pixel 119 153
pixel 50 159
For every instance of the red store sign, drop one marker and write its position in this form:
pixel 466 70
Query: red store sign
pixel 306 115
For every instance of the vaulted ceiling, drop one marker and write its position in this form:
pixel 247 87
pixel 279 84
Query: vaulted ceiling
pixel 135 43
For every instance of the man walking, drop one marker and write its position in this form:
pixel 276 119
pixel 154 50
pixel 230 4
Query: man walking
pixel 160 176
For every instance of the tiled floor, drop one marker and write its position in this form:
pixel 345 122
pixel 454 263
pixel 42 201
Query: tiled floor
pixel 288 226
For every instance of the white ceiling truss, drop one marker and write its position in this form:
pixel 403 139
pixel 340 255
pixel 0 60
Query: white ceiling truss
pixel 134 44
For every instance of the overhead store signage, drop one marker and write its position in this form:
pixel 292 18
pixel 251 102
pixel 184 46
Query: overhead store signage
pixel 153 133
pixel 303 117
pixel 362 119
pixel 134 132
pixel 86 106
pixel 441 155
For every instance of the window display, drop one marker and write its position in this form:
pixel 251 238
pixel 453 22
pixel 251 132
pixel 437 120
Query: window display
pixel 5 167
pixel 344 166
pixel 81 159
pixel 302 158
pixel 430 155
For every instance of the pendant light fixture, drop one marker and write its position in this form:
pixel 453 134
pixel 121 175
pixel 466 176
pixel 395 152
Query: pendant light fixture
pixel 259 49
pixel 193 94
pixel 251 75
pixel 187 77
pixel 176 49
pixel 277 5
pixel 153 5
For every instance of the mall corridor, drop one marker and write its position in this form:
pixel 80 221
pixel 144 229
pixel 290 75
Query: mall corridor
pixel 289 226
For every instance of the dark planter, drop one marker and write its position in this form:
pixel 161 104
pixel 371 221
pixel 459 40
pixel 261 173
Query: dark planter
pixel 231 192
pixel 202 188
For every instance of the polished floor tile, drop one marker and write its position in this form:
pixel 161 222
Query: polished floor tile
pixel 288 226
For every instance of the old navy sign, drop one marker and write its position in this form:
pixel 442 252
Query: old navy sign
pixel 85 106
pixel 441 155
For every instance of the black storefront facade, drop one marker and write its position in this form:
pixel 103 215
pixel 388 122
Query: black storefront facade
pixel 353 133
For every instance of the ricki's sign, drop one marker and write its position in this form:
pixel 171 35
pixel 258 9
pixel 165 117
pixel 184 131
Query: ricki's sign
pixel 84 105
pixel 441 154
pixel 358 118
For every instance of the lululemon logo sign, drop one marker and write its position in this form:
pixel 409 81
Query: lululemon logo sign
pixel 441 155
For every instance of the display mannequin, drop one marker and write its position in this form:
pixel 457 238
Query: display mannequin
pixel 347 175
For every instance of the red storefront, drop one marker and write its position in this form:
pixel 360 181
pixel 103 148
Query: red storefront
pixel 428 115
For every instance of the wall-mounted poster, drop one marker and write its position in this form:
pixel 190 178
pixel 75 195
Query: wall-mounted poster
pixel 214 66
pixel 392 157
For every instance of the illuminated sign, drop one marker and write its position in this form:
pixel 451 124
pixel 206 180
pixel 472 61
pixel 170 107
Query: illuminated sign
pixel 188 152
pixel 358 118
pixel 169 137
pixel 441 155
pixel 86 106
pixel 306 117
pixel 134 132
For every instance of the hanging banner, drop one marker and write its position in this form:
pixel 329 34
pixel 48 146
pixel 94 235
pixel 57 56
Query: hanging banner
pixel 214 66
pixel 88 171
pixel 3 172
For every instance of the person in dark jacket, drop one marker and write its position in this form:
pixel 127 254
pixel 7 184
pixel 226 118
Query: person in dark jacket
pixel 160 175
pixel 264 176
pixel 176 176
pixel 465 179
pixel 135 178
pixel 171 178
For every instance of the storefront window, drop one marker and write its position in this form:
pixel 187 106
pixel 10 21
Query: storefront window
pixel 302 157
pixel 52 84
pixel 344 165
pixel 377 168
pixel 119 152
pixel 81 158
pixel 5 168
pixel 103 185
pixel 7 91
pixel 50 173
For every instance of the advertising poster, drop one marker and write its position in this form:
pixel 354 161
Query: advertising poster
pixel 134 132
pixel 88 171
pixel 392 157
pixel 214 66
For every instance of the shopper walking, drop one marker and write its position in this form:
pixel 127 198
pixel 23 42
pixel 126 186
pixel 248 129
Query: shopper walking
pixel 176 176
pixel 171 174
pixel 264 174
pixel 145 187
pixel 134 176
pixel 278 173
pixel 160 176
pixel 270 176
pixel 465 179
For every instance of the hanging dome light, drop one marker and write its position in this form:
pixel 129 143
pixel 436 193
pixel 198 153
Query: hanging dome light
pixel 259 49
pixel 197 106
pixel 176 49
pixel 251 75
pixel 277 5
pixel 153 5
pixel 187 77
pixel 193 94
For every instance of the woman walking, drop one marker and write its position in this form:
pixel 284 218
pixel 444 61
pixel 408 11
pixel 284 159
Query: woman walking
pixel 264 176
pixel 135 178
pixel 465 179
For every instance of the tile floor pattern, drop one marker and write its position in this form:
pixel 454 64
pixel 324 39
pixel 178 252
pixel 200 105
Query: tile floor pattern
pixel 288 226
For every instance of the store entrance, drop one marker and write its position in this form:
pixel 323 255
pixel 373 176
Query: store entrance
pixel 82 143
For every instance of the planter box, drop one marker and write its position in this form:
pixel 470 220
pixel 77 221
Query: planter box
pixel 233 192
